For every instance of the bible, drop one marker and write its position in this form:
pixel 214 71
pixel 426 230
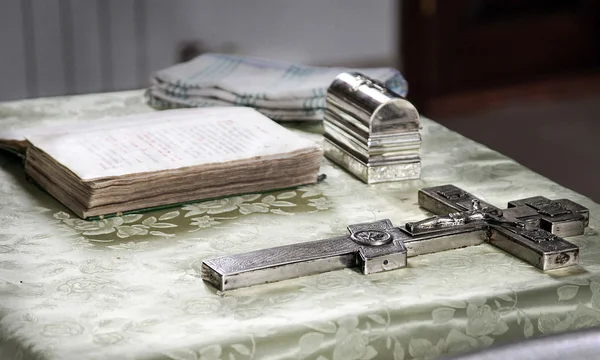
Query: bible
pixel 164 158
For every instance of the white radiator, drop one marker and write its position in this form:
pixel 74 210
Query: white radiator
pixel 59 47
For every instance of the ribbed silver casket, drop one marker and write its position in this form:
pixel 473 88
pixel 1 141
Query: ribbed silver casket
pixel 371 131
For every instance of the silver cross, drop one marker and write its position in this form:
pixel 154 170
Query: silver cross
pixel 530 229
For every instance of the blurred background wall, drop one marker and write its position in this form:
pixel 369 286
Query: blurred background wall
pixel 56 47
pixel 521 76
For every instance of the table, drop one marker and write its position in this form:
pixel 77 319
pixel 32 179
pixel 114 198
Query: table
pixel 128 287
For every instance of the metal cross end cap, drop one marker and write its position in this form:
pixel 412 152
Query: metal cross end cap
pixel 372 262
pixel 381 248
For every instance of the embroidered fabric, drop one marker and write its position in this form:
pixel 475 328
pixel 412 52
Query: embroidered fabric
pixel 129 287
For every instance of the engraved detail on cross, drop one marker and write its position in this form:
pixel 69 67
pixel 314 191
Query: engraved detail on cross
pixel 530 229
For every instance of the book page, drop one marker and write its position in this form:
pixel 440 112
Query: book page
pixel 180 138
pixel 76 125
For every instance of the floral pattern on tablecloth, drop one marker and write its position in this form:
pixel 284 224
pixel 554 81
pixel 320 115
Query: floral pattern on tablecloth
pixel 193 217
pixel 129 287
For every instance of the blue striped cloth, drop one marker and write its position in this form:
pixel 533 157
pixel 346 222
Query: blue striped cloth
pixel 279 90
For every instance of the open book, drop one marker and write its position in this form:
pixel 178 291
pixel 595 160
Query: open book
pixel 164 158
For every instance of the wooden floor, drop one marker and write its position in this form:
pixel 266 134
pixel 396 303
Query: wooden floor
pixel 556 136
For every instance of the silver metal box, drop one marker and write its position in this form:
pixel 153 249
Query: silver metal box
pixel 371 131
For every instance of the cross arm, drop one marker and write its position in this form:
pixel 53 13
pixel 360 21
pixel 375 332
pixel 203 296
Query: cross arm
pixel 446 199
pixel 561 217
pixel 538 247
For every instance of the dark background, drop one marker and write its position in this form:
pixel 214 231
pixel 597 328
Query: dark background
pixel 521 76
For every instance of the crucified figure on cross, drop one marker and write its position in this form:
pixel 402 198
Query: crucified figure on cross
pixel 530 229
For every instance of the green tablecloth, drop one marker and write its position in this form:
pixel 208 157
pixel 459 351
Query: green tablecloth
pixel 127 287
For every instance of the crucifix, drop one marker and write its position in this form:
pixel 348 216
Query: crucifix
pixel 530 229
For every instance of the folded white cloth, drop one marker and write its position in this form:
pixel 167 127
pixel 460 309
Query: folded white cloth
pixel 280 90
